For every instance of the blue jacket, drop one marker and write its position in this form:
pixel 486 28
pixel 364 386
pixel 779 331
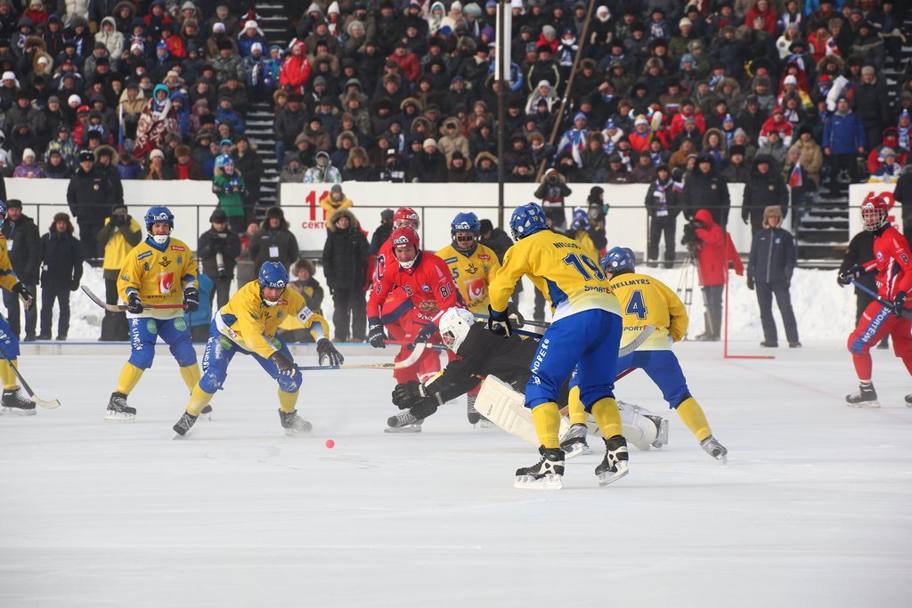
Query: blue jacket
pixel 772 256
pixel 233 119
pixel 843 134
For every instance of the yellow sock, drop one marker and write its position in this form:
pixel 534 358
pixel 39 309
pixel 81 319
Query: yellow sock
pixel 693 417
pixel 190 375
pixel 287 401
pixel 198 400
pixel 547 424
pixel 577 411
pixel 8 375
pixel 129 376
pixel 606 414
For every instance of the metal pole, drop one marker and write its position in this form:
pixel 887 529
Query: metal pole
pixel 502 7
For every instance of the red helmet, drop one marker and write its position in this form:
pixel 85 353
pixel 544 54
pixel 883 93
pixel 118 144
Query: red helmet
pixel 406 216
pixel 874 210
pixel 405 237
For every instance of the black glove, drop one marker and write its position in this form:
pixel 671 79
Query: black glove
pixel 191 299
pixel 74 285
pixel 850 274
pixel 408 395
pixel 327 351
pixel 499 323
pixel 424 335
pixel 134 304
pixel 750 282
pixel 285 365
pixel 517 317
pixel 899 303
pixel 375 335
pixel 28 298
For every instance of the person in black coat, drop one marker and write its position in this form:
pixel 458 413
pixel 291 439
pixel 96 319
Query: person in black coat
pixel 428 166
pixel 383 231
pixel 23 243
pixel 769 270
pixel 860 252
pixel 706 189
pixel 90 199
pixel 345 256
pixel 765 187
pixel 61 271
pixel 662 206
pixel 219 248
pixel 274 242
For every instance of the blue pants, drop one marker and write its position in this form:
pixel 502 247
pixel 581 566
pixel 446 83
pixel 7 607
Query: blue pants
pixel 219 352
pixel 145 330
pixel 663 369
pixel 9 343
pixel 589 342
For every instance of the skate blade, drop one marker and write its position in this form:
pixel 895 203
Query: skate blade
pixel 486 424
pixel 409 428
pixel 575 449
pixel 296 432
pixel 607 478
pixel 548 482
pixel 17 411
pixel 662 437
pixel 865 405
pixel 119 417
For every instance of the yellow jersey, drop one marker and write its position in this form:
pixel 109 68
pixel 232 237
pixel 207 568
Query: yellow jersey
pixel 8 278
pixel 248 322
pixel 472 274
pixel 159 275
pixel 566 272
pixel 648 301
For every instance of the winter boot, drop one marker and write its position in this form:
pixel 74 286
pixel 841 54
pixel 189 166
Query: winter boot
pixel 615 464
pixel 403 422
pixel 715 449
pixel 865 397
pixel 574 442
pixel 546 474
pixel 118 408
pixel 15 401
pixel 186 422
pixel 293 424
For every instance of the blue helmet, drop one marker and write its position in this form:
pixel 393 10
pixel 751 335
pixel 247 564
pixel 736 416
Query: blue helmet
pixel 223 159
pixel 157 215
pixel 273 274
pixel 465 222
pixel 619 259
pixel 527 219
pixel 580 219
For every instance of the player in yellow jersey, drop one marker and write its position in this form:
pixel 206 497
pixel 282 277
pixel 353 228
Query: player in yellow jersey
pixel 14 399
pixel 473 267
pixel 585 333
pixel 247 324
pixel 160 271
pixel 647 301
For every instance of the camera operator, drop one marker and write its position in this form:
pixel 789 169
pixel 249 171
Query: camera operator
pixel 218 251
pixel 713 250
pixel 552 192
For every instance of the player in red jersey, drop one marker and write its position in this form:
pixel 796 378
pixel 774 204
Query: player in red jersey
pixel 428 286
pixel 893 263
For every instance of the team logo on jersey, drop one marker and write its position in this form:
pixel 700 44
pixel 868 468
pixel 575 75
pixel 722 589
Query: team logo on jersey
pixel 471 268
pixel 164 262
pixel 476 289
pixel 426 289
pixel 177 248
pixel 165 282
pixel 145 266
pixel 879 256
pixel 484 256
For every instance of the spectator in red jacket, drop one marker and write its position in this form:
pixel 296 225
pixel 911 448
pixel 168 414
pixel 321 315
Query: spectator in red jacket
pixel 296 70
pixel 762 17
pixel 688 110
pixel 408 62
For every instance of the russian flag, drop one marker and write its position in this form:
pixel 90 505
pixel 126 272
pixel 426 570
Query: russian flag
pixel 795 180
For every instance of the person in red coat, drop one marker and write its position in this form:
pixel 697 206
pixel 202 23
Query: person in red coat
pixel 688 110
pixel 408 61
pixel 764 14
pixel 428 285
pixel 296 70
pixel 714 251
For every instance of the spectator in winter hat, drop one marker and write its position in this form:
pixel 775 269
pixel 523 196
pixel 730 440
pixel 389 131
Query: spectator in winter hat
pixel 771 264
pixel 29 167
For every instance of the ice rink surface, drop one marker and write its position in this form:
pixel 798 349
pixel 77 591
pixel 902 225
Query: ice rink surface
pixel 813 508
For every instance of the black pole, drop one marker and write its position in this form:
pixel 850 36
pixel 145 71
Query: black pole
pixel 502 7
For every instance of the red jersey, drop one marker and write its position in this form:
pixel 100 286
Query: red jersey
pixel 893 263
pixel 428 285
pixel 384 256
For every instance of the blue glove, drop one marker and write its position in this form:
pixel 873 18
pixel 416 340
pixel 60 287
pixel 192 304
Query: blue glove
pixel 424 335
pixel 499 322
pixel 134 304
pixel 899 303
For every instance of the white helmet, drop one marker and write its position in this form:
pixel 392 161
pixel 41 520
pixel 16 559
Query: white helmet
pixel 454 327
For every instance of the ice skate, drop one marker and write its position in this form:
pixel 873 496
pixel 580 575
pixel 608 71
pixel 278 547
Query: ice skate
pixel 118 408
pixel 865 397
pixel 546 474
pixel 573 443
pixel 294 424
pixel 186 422
pixel 715 449
pixel 403 422
pixel 615 464
pixel 206 412
pixel 908 400
pixel 471 413
pixel 661 430
pixel 15 401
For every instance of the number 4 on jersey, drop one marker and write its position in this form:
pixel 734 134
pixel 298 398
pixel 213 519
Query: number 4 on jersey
pixel 636 305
